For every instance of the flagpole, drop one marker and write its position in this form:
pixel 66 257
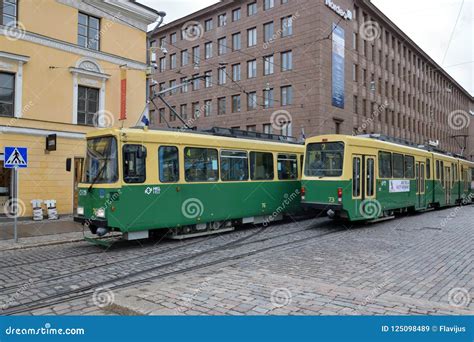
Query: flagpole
pixel 15 205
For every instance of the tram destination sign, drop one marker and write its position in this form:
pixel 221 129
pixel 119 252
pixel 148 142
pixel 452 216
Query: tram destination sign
pixel 399 186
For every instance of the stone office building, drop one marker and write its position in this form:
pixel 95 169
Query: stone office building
pixel 307 67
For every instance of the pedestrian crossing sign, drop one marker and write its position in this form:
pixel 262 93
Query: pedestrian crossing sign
pixel 15 157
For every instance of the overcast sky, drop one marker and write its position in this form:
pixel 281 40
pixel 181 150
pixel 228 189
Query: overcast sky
pixel 429 23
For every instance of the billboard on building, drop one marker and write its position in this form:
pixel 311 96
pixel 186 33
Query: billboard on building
pixel 338 66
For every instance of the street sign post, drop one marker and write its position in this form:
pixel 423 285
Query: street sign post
pixel 15 158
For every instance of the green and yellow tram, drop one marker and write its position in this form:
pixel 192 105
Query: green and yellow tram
pixel 139 180
pixel 365 178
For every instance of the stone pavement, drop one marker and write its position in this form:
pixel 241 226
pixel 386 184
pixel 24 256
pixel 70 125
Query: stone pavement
pixel 421 264
pixel 27 229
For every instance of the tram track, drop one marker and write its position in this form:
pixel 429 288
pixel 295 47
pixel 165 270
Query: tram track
pixel 87 290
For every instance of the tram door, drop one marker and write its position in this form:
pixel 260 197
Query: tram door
pixel 420 184
pixel 447 183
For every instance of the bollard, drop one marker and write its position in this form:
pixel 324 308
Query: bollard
pixel 37 210
pixel 51 208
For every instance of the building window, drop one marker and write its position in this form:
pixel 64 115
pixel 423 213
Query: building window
pixel 236 14
pixel 184 58
pixel 207 107
pixel 355 105
pixel 286 95
pixel 236 41
pixel 162 64
pixel 173 85
pixel 252 69
pixel 221 76
pixel 221 46
pixel 236 72
pixel 88 31
pixel 222 20
pixel 267 128
pixel 287 26
pixel 252 100
pixel 183 111
pixel 208 25
pixel 221 106
pixel 208 79
pixel 195 82
pixel 252 9
pixel 354 40
pixel 286 61
pixel 252 128
pixel 173 38
pixel 268 63
pixel 7 94
pixel 354 72
pixel 88 105
pixel 208 50
pixel 173 61
pixel 8 11
pixel 184 87
pixel 195 109
pixel 268 32
pixel 235 103
pixel 196 55
pixel 267 4
pixel 268 98
pixel 252 37
pixel 161 114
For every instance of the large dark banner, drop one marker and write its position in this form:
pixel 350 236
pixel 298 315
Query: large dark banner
pixel 338 66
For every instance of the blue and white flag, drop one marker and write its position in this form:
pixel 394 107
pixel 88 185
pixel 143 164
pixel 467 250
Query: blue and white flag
pixel 145 120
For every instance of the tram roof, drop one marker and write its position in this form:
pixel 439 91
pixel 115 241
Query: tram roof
pixel 196 138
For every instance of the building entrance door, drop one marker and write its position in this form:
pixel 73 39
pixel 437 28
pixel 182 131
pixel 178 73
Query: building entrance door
pixel 5 185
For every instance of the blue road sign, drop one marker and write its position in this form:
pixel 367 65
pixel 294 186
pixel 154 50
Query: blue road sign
pixel 15 157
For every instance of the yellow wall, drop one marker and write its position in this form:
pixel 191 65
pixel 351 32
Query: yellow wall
pixel 47 93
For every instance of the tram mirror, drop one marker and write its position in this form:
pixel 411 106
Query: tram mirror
pixel 68 164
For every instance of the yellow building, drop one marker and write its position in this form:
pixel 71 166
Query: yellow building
pixel 61 66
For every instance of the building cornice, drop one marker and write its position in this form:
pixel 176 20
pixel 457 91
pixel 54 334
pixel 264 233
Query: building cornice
pixel 89 73
pixel 40 132
pixel 75 49
pixel 129 13
pixel 14 57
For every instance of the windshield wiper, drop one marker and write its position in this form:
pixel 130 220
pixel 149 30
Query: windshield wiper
pixel 96 178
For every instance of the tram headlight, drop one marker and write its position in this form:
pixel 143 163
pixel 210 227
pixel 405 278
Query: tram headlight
pixel 100 213
pixel 80 210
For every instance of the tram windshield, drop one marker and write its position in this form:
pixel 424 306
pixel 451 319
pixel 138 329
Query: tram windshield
pixel 324 159
pixel 101 161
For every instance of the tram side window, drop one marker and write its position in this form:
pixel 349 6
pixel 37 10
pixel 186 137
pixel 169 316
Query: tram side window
pixel 261 166
pixel 428 168
pixel 438 173
pixel 234 166
pixel 134 163
pixel 168 164
pixel 356 177
pixel 200 164
pixel 398 165
pixel 385 166
pixel 409 167
pixel 287 165
pixel 441 166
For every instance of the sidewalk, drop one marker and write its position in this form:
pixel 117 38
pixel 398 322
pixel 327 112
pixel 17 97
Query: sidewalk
pixel 33 233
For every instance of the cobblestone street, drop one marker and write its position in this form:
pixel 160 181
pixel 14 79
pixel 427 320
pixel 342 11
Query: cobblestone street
pixel 419 264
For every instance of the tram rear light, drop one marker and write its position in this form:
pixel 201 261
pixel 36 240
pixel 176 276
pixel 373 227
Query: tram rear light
pixel 339 194
pixel 303 192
